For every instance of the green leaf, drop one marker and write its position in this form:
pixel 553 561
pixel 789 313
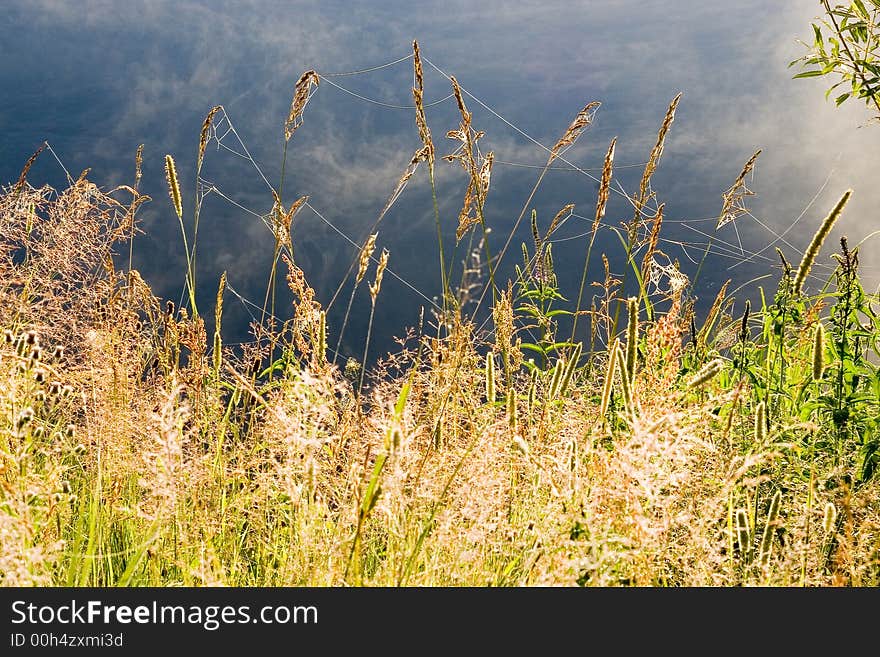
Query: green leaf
pixel 860 9
pixel 840 99
pixel 808 74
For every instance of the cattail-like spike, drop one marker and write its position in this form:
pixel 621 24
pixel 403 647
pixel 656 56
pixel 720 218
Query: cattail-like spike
pixel 511 410
pixel 760 424
pixel 829 517
pixel 624 382
pixel 609 378
pixel 556 378
pixel 816 243
pixel 709 371
pixel 767 539
pixel 173 185
pixel 530 398
pixel 366 254
pixel 744 326
pixel 490 377
pixel 632 336
pixel 743 535
pixel 818 352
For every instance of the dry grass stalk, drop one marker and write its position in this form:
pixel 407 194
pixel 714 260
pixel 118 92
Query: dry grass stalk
pixel 24 172
pixel 301 95
pixel 418 156
pixel 560 216
pixel 604 185
pixel 583 119
pixel 138 164
pixel 653 240
pixel 712 315
pixel 203 136
pixel 366 254
pixel 376 285
pixel 609 379
pixel 818 352
pixel 653 160
pixel 419 98
pixel 733 204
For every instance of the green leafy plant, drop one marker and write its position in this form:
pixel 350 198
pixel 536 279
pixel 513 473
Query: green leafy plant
pixel 846 43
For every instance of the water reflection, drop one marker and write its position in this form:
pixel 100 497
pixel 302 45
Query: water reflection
pixel 98 77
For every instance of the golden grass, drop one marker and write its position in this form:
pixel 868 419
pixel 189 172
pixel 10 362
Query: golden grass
pixel 136 451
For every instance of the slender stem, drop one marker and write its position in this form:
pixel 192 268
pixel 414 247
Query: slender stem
pixel 344 323
pixel 702 260
pixel 577 307
pixel 366 347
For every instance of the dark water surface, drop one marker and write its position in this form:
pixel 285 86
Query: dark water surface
pixel 98 77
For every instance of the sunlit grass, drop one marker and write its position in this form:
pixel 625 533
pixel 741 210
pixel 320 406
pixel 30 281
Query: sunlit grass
pixel 737 448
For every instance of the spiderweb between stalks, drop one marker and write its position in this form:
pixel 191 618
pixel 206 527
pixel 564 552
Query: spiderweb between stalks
pixel 664 271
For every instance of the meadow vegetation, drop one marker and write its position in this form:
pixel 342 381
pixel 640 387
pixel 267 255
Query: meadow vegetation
pixel 612 435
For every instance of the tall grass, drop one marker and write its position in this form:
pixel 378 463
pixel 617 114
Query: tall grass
pixel 133 452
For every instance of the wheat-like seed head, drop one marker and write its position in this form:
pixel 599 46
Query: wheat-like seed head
pixel 564 213
pixel 418 97
pixel 376 285
pixel 138 164
pixel 462 108
pixel 173 185
pixel 27 167
pixel 366 254
pixel 604 185
pixel 733 199
pixel 203 137
pixel 651 165
pixel 486 174
pixel 580 122
pixel 301 95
